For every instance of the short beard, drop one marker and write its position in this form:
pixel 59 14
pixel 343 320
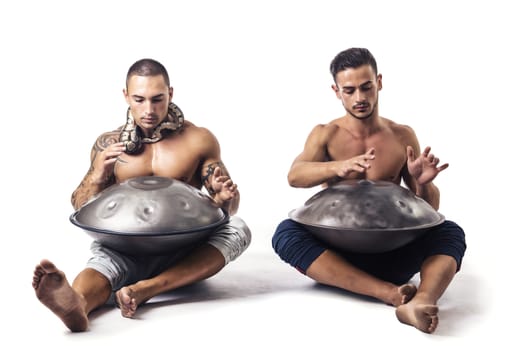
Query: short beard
pixel 366 116
pixel 361 118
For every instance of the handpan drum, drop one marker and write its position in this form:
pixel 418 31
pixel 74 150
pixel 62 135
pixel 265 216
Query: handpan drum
pixel 149 215
pixel 365 216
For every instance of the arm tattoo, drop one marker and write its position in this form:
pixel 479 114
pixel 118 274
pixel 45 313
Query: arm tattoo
pixel 106 139
pixel 86 189
pixel 210 169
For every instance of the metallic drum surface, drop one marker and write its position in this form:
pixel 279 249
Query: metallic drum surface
pixel 149 215
pixel 366 216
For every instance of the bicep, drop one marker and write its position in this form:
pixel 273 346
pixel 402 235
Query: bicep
pixel 211 156
pixel 315 146
pixel 410 139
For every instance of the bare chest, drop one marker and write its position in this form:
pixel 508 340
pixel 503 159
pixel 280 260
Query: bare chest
pixel 164 158
pixel 390 154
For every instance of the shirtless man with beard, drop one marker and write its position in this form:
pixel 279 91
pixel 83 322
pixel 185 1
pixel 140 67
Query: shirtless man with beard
pixel 363 145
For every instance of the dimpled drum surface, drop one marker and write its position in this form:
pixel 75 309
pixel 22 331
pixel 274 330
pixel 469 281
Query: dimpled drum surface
pixel 149 215
pixel 366 216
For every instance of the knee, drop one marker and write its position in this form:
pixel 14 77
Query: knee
pixel 280 235
pixel 232 239
pixel 289 237
pixel 295 245
pixel 243 231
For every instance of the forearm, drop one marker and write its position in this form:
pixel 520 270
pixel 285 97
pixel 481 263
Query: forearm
pixel 88 188
pixel 430 193
pixel 310 174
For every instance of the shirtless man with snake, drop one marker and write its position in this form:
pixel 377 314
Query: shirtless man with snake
pixel 156 140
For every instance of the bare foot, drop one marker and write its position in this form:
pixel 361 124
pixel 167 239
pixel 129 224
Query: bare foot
pixel 407 292
pixel 126 301
pixel 53 290
pixel 422 316
pixel 403 294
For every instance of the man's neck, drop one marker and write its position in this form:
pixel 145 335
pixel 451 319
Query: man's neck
pixel 363 127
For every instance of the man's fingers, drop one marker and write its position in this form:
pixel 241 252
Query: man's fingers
pixel 443 167
pixel 223 178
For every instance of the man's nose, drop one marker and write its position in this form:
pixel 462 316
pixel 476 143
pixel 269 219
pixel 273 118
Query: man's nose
pixel 148 107
pixel 360 96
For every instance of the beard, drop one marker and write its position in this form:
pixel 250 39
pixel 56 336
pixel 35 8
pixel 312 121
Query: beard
pixel 361 117
pixel 366 116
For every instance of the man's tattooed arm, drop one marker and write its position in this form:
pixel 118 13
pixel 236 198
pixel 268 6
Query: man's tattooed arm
pixel 90 185
pixel 228 201
pixel 208 173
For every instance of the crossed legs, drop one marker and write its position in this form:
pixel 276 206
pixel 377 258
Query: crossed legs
pixel 421 311
pixel 205 262
pixel 90 289
pixel 414 306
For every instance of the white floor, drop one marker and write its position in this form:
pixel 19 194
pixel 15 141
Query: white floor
pixel 256 74
pixel 259 302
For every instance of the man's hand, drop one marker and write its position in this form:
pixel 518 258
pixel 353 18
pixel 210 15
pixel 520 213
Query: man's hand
pixel 104 162
pixel 222 186
pixel 424 168
pixel 360 164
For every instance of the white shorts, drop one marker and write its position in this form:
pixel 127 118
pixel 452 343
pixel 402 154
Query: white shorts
pixel 231 239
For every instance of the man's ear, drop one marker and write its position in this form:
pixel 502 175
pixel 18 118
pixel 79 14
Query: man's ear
pixel 336 90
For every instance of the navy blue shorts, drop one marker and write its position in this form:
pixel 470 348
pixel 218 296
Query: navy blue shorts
pixel 298 247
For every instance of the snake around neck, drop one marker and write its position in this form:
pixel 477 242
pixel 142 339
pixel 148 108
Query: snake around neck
pixel 133 137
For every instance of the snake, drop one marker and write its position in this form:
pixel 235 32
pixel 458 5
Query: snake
pixel 133 137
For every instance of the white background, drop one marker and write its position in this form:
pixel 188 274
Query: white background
pixel 256 73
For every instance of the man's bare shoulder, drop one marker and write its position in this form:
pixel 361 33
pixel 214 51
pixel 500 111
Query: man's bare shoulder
pixel 107 138
pixel 402 130
pixel 192 127
pixel 192 130
pixel 326 130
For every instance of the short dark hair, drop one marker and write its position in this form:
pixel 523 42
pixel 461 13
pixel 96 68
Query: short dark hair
pixel 352 58
pixel 147 67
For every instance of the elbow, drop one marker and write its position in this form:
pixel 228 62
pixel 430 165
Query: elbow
pixel 293 181
pixel 297 180
pixel 296 183
pixel 74 202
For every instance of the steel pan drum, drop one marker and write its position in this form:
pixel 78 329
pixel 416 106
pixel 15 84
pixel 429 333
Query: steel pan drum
pixel 366 216
pixel 149 215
